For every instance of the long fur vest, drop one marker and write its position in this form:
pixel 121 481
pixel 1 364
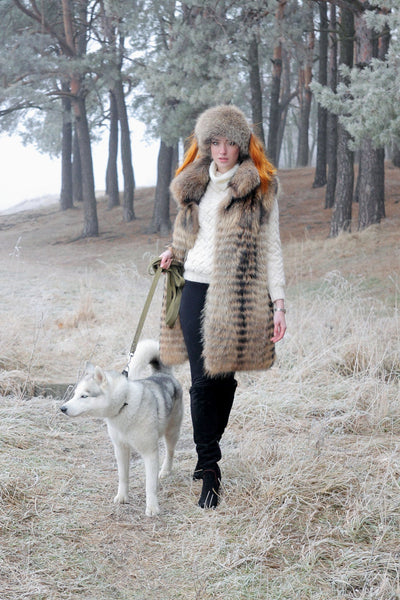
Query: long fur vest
pixel 238 314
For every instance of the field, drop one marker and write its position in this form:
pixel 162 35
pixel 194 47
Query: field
pixel 311 459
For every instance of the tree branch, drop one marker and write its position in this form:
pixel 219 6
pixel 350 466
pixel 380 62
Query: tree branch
pixel 37 16
pixel 17 107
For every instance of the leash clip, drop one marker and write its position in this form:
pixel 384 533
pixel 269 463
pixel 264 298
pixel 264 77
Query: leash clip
pixel 126 369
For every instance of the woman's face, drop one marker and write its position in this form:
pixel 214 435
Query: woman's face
pixel 224 153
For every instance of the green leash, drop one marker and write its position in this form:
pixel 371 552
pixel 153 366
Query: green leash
pixel 175 283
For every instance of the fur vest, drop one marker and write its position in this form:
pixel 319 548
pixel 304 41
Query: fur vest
pixel 238 315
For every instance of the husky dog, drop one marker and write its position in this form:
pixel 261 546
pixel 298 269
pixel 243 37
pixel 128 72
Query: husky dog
pixel 138 412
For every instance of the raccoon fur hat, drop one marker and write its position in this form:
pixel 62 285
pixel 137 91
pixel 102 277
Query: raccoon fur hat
pixel 223 121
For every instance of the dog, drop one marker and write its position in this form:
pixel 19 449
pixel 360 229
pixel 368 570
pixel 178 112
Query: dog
pixel 138 412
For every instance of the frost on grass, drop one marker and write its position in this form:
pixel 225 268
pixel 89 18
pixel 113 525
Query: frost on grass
pixel 310 504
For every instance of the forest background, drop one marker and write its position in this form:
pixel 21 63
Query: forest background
pixel 319 81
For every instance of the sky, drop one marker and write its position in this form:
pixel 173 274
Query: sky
pixel 26 174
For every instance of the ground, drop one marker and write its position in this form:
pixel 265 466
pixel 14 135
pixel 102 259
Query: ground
pixel 310 505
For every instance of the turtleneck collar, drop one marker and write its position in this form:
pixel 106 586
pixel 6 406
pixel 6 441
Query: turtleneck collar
pixel 221 179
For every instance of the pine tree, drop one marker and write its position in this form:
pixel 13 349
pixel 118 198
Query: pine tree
pixel 366 100
pixel 47 45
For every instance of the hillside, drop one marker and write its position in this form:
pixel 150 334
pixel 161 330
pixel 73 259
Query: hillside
pixel 310 506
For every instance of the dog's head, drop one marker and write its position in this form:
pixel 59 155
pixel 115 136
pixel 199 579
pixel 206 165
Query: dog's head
pixel 91 396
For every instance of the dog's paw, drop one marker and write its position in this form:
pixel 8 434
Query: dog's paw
pixel 152 510
pixel 121 499
pixel 164 473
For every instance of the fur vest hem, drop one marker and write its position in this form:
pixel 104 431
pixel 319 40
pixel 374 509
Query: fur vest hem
pixel 238 314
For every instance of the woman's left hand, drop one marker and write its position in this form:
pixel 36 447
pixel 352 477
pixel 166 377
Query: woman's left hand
pixel 279 326
pixel 166 259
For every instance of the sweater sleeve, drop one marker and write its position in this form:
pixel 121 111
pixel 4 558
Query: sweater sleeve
pixel 276 274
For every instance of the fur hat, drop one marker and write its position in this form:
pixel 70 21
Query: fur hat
pixel 223 121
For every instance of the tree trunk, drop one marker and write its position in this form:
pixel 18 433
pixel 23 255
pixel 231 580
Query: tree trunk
pixel 396 155
pixel 341 215
pixel 91 226
pixel 370 199
pixel 76 170
pixel 112 189
pixel 66 197
pixel 255 89
pixel 381 183
pixel 175 160
pixel 160 221
pixel 304 120
pixel 286 97
pixel 332 120
pixel 274 108
pixel 126 153
pixel 371 174
pixel 320 169
pixel 305 75
pixel 356 196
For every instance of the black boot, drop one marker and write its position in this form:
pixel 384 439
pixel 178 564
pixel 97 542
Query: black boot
pixel 205 420
pixel 211 404
pixel 209 497
pixel 226 393
pixel 198 472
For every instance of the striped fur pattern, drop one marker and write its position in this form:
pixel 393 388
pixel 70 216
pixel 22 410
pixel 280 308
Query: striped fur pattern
pixel 238 316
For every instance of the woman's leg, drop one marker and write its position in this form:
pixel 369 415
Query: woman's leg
pixel 190 311
pixel 210 398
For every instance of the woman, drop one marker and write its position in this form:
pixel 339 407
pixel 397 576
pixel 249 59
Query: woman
pixel 232 310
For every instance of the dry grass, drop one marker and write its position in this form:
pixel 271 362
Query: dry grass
pixel 311 468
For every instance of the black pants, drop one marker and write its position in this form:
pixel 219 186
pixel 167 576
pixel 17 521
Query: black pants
pixel 211 398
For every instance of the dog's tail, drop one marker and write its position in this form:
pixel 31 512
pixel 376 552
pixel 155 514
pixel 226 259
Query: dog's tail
pixel 147 353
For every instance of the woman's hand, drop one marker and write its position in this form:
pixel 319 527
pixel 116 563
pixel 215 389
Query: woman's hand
pixel 279 321
pixel 166 259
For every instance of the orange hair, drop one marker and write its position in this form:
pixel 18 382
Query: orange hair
pixel 265 169
pixel 190 155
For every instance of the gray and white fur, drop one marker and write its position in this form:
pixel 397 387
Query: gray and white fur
pixel 138 412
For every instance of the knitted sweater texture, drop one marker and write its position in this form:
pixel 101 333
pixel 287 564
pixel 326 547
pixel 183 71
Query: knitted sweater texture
pixel 198 263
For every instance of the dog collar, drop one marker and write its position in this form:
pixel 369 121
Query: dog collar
pixel 122 407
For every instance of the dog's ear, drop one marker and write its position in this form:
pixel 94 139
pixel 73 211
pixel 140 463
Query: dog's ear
pixel 89 368
pixel 99 375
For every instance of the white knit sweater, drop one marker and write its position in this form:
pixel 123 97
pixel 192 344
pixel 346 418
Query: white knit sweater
pixel 198 263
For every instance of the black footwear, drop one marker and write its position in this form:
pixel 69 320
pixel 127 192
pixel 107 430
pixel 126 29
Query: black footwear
pixel 211 482
pixel 198 472
pixel 205 425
